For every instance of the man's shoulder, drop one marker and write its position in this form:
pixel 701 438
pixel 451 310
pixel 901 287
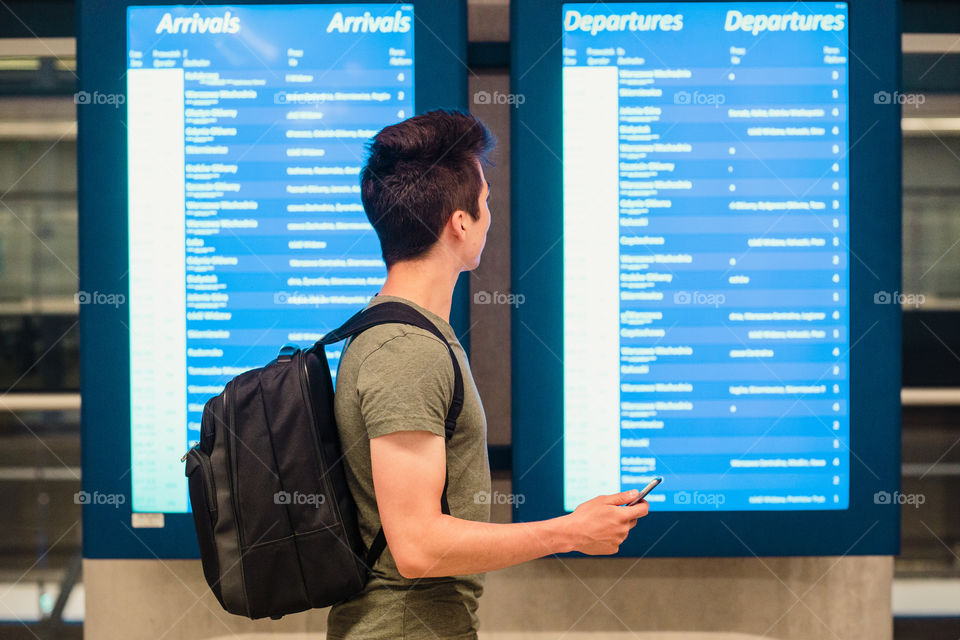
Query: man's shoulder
pixel 402 377
pixel 393 340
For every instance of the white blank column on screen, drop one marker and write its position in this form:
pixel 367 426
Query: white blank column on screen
pixel 591 298
pixel 158 357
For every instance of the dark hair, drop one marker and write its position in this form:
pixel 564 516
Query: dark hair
pixel 417 174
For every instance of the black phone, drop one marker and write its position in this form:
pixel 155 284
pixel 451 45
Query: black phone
pixel 647 489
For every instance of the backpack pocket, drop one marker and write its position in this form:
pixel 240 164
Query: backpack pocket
pixel 203 502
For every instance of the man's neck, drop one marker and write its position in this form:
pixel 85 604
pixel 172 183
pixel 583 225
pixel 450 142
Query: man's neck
pixel 429 285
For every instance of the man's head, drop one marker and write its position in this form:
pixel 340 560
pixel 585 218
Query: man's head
pixel 423 187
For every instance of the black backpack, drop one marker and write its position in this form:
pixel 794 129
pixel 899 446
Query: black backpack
pixel 276 523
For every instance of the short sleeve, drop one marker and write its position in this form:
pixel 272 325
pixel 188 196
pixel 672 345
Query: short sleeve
pixel 406 384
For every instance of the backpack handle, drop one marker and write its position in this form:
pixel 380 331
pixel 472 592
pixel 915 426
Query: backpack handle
pixel 286 352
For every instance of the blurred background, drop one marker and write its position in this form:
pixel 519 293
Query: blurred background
pixel 41 586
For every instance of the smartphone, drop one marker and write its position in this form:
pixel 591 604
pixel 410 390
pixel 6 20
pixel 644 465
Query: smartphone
pixel 647 489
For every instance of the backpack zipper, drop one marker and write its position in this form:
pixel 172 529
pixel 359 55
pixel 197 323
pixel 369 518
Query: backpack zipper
pixel 228 414
pixel 229 419
pixel 318 446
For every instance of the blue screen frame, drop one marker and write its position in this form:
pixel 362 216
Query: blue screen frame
pixel 866 526
pixel 440 82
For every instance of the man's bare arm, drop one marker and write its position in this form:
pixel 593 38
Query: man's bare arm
pixel 408 478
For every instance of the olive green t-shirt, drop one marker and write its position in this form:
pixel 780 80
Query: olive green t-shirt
pixel 398 377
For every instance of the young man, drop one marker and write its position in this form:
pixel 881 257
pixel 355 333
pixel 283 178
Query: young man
pixel 425 194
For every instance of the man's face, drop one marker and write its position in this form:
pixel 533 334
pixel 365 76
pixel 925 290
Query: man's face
pixel 477 229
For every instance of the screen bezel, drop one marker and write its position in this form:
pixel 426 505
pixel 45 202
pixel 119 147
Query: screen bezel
pixel 440 81
pixel 865 527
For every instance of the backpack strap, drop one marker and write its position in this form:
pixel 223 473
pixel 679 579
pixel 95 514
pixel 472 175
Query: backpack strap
pixel 399 313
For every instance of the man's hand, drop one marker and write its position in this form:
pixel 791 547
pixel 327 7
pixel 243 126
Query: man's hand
pixel 599 526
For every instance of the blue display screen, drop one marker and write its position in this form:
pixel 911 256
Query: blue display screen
pixel 246 131
pixel 705 244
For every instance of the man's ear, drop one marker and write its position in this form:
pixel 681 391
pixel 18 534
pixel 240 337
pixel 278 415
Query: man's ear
pixel 457 224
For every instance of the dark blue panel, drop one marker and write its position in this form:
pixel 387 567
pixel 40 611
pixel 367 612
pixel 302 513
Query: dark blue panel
pixel 867 526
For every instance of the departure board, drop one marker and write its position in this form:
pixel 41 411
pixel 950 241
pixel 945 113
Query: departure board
pixel 705 253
